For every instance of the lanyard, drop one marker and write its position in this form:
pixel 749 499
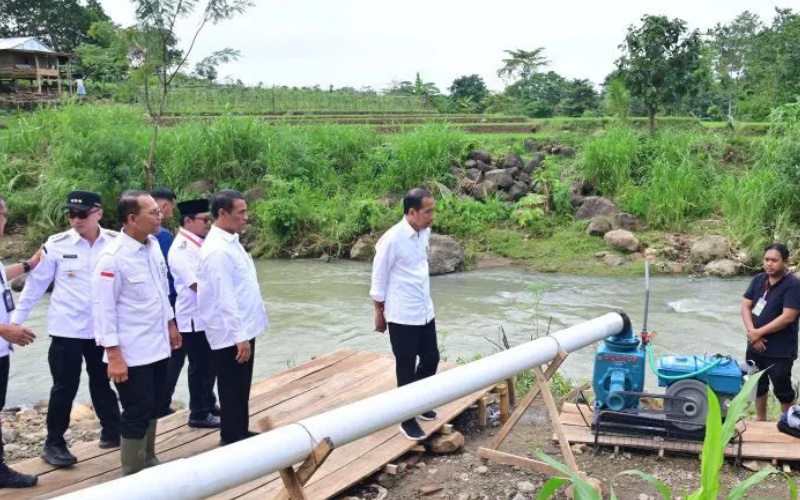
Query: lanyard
pixel 769 287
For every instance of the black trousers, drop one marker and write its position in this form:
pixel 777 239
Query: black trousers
pixel 5 365
pixel 201 376
pixel 65 358
pixel 233 384
pixel 410 342
pixel 139 395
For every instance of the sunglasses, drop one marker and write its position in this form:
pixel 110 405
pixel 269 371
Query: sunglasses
pixel 206 220
pixel 79 215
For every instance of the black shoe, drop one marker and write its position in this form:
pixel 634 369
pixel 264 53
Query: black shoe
pixel 108 443
pixel 216 411
pixel 428 415
pixel 10 478
pixel 58 455
pixel 249 434
pixel 412 430
pixel 209 422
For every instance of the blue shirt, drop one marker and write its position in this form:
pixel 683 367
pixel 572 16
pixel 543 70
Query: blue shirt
pixel 165 238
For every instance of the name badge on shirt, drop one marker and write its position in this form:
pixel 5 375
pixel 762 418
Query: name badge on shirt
pixel 70 256
pixel 759 307
pixel 8 299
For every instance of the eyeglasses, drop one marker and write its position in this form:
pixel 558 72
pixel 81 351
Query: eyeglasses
pixel 155 212
pixel 206 220
pixel 79 215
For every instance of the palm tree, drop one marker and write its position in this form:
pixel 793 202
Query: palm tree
pixel 522 64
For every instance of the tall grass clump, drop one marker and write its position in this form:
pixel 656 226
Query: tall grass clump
pixel 612 162
pixel 425 154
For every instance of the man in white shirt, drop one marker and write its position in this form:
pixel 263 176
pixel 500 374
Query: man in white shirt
pixel 230 304
pixel 11 334
pixel 401 293
pixel 135 324
pixel 184 256
pixel 68 259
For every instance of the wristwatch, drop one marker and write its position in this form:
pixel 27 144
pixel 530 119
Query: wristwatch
pixel 26 266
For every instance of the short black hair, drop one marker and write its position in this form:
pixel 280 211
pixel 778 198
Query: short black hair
pixel 163 193
pixel 413 199
pixel 223 200
pixel 781 248
pixel 128 204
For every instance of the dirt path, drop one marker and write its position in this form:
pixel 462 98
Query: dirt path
pixel 462 477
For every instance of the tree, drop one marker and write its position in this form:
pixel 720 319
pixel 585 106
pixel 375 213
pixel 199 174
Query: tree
pixel 580 96
pixel 733 45
pixel 659 58
pixel 206 68
pixel 416 88
pixel 61 24
pixel 522 64
pixel 468 92
pixel 540 94
pixel 105 57
pixel 158 61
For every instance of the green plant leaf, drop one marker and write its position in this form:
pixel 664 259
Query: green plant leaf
pixel 654 482
pixel 583 489
pixel 792 486
pixel 551 487
pixel 713 449
pixel 741 489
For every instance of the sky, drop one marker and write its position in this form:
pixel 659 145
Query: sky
pixel 361 43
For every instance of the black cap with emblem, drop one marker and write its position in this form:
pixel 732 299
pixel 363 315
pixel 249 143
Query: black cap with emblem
pixel 83 201
pixel 193 207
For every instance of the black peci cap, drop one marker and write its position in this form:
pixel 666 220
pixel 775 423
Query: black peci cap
pixel 193 207
pixel 83 201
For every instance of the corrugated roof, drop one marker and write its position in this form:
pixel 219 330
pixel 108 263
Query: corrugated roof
pixel 24 43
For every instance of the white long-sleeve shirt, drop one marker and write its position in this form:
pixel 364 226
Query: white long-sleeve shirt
pixel 400 275
pixel 69 260
pixel 130 296
pixel 228 296
pixel 183 259
pixel 4 316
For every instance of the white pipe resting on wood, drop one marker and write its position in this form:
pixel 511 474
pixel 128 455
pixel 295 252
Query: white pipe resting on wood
pixel 224 468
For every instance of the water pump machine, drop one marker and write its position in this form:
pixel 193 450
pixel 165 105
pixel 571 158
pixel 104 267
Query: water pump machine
pixel 620 366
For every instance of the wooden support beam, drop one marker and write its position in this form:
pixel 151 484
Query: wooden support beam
pixel 523 406
pixel 512 390
pixel 294 480
pixel 483 416
pixel 446 429
pixel 575 391
pixel 555 419
pixel 394 469
pixel 509 459
pixel 38 74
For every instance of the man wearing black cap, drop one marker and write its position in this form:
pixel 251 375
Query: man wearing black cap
pixel 69 258
pixel 184 255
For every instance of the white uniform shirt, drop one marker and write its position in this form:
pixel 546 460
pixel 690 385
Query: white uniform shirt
pixel 131 300
pixel 69 260
pixel 400 275
pixel 228 295
pixel 183 258
pixel 4 344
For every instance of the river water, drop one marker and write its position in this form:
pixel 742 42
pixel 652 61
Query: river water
pixel 316 307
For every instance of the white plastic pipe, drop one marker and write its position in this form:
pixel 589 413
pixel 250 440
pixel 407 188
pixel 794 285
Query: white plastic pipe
pixel 227 467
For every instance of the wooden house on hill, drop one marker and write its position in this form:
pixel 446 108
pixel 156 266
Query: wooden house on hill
pixel 28 59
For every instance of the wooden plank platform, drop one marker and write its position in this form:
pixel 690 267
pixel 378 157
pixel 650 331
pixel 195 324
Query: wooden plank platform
pixel 329 381
pixel 761 440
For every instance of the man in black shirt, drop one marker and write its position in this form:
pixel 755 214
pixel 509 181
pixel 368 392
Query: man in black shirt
pixel 769 313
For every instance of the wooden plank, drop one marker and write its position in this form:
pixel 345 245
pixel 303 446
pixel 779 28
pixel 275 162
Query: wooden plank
pixel 292 487
pixel 509 459
pixel 349 464
pixel 89 450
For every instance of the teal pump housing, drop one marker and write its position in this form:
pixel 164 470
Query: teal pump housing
pixel 619 365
